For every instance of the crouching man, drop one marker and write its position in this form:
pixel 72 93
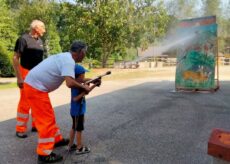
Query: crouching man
pixel 42 79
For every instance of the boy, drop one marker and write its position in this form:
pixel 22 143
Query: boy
pixel 77 111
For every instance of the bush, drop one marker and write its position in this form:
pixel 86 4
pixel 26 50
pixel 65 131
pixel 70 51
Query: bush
pixel 96 64
pixel 6 68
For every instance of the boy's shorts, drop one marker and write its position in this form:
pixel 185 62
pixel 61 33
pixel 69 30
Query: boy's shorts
pixel 79 120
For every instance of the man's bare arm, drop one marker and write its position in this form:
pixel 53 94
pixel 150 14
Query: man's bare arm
pixel 72 83
pixel 16 65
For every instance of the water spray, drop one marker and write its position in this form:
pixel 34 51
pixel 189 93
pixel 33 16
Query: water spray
pixel 172 43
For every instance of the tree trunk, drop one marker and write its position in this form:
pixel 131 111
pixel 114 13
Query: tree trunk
pixel 104 60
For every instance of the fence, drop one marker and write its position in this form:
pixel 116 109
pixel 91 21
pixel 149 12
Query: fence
pixel 161 62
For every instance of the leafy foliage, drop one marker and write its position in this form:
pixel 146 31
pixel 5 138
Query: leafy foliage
pixel 5 65
pixel 109 27
pixel 8 32
pixel 8 35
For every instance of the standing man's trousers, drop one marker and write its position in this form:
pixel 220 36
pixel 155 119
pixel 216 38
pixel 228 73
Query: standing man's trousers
pixel 23 107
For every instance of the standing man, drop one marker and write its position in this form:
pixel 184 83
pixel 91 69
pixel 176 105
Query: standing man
pixel 28 53
pixel 42 79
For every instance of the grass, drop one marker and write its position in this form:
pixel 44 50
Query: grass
pixel 126 74
pixel 7 85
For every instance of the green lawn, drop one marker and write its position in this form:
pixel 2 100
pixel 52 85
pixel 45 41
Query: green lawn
pixel 7 85
pixel 125 74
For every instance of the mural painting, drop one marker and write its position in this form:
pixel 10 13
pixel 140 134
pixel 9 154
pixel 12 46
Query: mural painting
pixel 196 56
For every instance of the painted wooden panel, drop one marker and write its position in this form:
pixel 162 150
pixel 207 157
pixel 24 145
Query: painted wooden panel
pixel 196 55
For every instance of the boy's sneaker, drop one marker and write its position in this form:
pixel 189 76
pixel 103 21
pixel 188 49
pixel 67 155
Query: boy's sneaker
pixel 82 150
pixel 72 148
pixel 21 135
pixel 33 129
pixel 52 158
pixel 63 142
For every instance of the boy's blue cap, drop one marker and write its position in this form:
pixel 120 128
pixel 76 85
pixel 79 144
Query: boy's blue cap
pixel 79 69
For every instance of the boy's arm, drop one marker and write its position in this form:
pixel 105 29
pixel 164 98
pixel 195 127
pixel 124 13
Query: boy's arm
pixel 82 94
pixel 78 97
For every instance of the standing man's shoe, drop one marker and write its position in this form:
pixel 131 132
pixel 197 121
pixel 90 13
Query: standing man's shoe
pixel 63 142
pixel 52 158
pixel 34 129
pixel 21 135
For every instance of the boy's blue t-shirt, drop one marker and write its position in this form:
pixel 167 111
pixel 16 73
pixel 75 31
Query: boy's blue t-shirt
pixel 77 108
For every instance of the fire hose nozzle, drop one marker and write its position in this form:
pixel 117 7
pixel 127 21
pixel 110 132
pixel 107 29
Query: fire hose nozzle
pixel 97 78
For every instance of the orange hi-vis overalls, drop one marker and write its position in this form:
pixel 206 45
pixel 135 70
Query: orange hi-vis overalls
pixel 44 119
pixel 23 107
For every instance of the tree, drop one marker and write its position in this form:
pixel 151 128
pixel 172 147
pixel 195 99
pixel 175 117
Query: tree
pixel 102 25
pixel 8 30
pixel 111 20
pixel 8 35
pixel 15 4
pixel 182 9
pixel 211 7
pixel 214 7
pixel 149 23
pixel 6 69
pixel 109 27
pixel 52 40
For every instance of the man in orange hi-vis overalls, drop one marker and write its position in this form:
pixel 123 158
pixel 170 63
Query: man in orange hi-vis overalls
pixel 28 53
pixel 42 79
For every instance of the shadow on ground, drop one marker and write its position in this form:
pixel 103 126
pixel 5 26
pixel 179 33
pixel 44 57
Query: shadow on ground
pixel 147 123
